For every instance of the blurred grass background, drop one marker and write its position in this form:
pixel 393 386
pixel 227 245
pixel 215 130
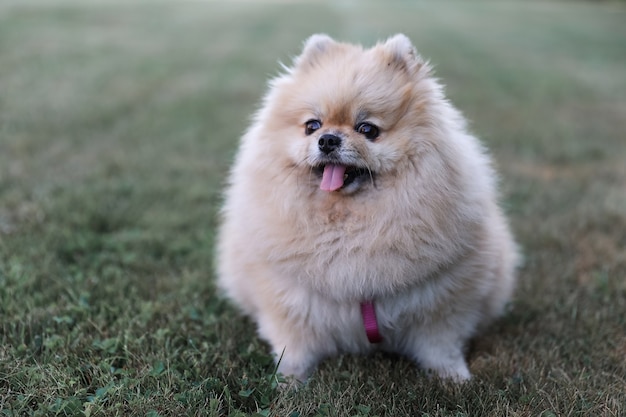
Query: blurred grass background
pixel 118 122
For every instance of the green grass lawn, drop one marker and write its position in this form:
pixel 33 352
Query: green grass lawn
pixel 118 122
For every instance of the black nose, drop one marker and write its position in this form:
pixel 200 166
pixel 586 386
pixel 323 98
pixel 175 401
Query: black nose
pixel 328 143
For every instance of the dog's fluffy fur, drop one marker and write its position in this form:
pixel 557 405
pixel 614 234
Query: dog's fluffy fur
pixel 414 225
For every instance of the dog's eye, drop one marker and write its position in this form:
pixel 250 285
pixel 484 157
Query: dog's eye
pixel 368 130
pixel 311 126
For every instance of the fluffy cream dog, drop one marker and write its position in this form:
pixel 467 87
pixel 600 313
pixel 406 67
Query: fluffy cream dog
pixel 360 214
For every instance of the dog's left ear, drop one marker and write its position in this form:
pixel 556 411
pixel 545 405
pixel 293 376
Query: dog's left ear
pixel 402 52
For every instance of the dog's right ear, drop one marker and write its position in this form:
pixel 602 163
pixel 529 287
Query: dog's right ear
pixel 314 47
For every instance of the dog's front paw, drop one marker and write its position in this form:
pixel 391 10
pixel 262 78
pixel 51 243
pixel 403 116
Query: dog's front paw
pixel 290 383
pixel 293 375
pixel 456 372
pixel 443 359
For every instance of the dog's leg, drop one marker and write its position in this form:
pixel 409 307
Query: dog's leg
pixel 295 365
pixel 296 353
pixel 441 353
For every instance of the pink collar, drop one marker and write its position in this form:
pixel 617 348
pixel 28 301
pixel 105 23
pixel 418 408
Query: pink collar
pixel 369 321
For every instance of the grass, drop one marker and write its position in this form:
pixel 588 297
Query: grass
pixel 119 120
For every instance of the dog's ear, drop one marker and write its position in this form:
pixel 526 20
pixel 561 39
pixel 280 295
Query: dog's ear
pixel 402 52
pixel 314 47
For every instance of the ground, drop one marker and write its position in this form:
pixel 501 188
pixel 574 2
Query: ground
pixel 119 120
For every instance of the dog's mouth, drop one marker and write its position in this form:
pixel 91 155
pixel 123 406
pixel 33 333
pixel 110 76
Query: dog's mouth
pixel 337 176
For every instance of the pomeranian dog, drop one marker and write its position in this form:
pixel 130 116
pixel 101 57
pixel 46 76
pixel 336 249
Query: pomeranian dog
pixel 360 214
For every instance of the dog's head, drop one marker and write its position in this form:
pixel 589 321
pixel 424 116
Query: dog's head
pixel 346 116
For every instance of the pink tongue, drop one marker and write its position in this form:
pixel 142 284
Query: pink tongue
pixel 332 179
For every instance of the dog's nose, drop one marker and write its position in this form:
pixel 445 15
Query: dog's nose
pixel 328 143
